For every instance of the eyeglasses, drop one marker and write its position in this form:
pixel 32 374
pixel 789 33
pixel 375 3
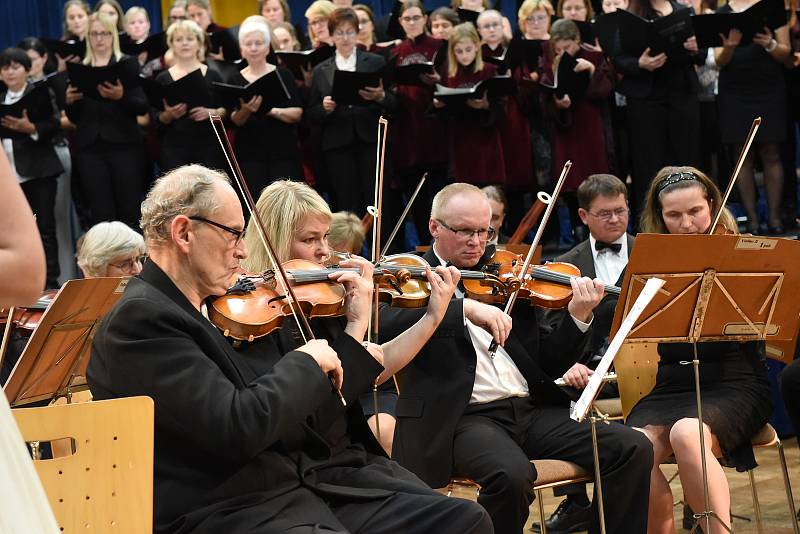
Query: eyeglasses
pixel 317 22
pixel 489 26
pixel 129 265
pixel 606 215
pixel 536 18
pixel 239 234
pixel 97 35
pixel 345 35
pixel 484 234
pixel 412 18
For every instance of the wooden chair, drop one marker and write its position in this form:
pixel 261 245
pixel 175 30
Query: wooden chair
pixel 550 474
pixel 106 486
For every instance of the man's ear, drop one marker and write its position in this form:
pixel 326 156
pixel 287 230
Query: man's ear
pixel 584 215
pixel 181 232
pixel 433 227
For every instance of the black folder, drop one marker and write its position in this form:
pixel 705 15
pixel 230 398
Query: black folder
pixel 270 87
pixel 605 30
pixel 393 28
pixel 586 31
pixel 227 42
pixel 497 86
pixel 410 74
pixel 190 90
pixel 769 13
pixel 525 51
pixel 37 103
pixel 71 47
pixel 665 34
pixel 155 45
pixel 347 84
pixel 295 61
pixel 468 15
pixel 86 78
pixel 568 82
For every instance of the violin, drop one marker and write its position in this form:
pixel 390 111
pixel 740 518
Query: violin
pixel 29 317
pixel 545 285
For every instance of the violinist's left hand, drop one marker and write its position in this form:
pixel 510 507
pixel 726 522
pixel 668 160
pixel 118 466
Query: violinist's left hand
pixel 358 287
pixel 19 124
pixel 443 282
pixel 586 295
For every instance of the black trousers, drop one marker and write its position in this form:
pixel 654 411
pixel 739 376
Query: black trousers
pixel 351 171
pixel 112 182
pixel 663 131
pixel 790 390
pixel 41 195
pixel 493 444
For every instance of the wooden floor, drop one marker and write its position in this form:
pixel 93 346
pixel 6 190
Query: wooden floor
pixel 769 482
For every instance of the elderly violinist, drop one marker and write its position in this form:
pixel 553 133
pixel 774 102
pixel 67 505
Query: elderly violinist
pixel 247 442
pixel 462 412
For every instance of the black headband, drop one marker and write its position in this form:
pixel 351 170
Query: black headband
pixel 674 178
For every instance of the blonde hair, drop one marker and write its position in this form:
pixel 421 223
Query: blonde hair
pixel 136 10
pixel 529 6
pixel 282 206
pixel 188 190
pixel 448 192
pixel 288 28
pixel 652 220
pixel 188 27
pixel 460 33
pixel 319 8
pixel 455 4
pixel 346 233
pixel 105 241
pixel 108 26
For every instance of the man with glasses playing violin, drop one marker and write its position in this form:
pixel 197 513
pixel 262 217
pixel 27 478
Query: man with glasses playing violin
pixel 465 413
pixel 243 440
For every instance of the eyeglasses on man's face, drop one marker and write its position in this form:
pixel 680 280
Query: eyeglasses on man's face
pixel 238 234
pixel 483 234
pixel 607 215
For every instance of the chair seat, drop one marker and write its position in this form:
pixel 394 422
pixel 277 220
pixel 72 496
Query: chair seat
pixel 557 472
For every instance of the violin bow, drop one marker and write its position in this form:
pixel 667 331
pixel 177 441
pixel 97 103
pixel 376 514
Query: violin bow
pixel 403 215
pixel 377 215
pixel 297 312
pixel 739 163
pixel 550 200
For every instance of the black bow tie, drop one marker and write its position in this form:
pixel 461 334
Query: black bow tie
pixel 600 245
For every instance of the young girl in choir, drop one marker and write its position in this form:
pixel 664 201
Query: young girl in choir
pixel 285 38
pixel 112 10
pixel 515 135
pixel 579 133
pixel 475 149
pixel 76 27
pixel 185 134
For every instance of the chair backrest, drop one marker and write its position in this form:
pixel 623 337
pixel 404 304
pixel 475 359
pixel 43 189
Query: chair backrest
pixel 107 484
pixel 636 365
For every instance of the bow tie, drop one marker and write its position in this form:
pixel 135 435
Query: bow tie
pixel 601 245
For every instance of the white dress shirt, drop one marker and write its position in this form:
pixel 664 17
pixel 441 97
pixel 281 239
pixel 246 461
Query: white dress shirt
pixel 495 378
pixel 346 63
pixel 608 265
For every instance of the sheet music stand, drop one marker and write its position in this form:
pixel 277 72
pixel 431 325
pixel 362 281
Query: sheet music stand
pixel 718 288
pixel 54 361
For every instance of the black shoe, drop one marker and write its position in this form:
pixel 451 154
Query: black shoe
pixel 568 517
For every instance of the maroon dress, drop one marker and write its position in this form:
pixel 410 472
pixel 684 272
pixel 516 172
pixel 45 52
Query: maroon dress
pixel 515 137
pixel 475 146
pixel 579 134
pixel 416 137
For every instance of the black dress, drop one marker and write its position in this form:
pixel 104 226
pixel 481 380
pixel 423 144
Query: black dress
pixel 751 85
pixel 737 401
pixel 267 148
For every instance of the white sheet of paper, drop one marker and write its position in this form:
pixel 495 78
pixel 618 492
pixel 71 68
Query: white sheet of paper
pixel 581 408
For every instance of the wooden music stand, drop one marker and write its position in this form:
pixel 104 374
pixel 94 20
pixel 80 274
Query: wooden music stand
pixel 54 361
pixel 718 288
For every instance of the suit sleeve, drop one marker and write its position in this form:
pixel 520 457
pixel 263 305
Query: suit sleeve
pixel 360 368
pixel 191 393
pixel 315 112
pixel 394 320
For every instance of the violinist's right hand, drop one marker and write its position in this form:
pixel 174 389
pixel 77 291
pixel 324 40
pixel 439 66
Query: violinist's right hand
pixel 493 320
pixel 578 376
pixel 326 358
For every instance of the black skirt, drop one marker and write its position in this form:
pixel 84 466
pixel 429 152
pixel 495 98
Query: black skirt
pixel 735 392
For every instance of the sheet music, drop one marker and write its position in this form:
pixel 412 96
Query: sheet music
pixel 581 408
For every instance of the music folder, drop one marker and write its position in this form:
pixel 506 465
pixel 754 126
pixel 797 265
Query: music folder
pixel 37 104
pixel 605 30
pixel 86 78
pixel 70 47
pixel 155 45
pixel 270 87
pixel 586 31
pixel 190 90
pixel 753 20
pixel 468 15
pixel 568 82
pixel 296 61
pixel 527 51
pixel 665 34
pixel 227 42
pixel 346 86
pixel 495 87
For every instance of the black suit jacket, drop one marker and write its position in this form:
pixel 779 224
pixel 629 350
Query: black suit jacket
pixel 347 124
pixel 436 386
pixel 235 431
pixel 38 159
pixel 109 120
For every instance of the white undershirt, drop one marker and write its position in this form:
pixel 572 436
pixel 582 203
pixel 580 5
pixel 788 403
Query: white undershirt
pixel 346 63
pixel 608 265
pixel 495 378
